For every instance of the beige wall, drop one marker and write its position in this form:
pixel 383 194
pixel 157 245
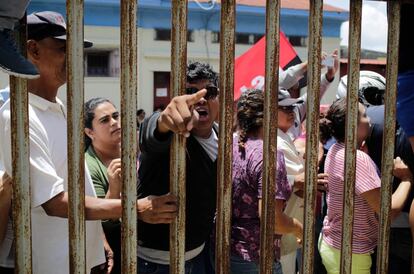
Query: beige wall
pixel 155 56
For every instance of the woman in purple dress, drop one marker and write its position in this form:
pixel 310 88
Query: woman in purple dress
pixel 247 190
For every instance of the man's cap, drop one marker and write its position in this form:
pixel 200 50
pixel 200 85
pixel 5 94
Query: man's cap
pixel 45 24
pixel 371 88
pixel 285 100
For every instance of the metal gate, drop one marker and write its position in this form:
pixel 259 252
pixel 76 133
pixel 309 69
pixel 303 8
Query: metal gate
pixel 75 91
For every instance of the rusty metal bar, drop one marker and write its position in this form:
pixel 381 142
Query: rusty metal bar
pixel 312 137
pixel 351 134
pixel 76 159
pixel 177 152
pixel 20 154
pixel 225 149
pixel 394 8
pixel 129 138
pixel 267 219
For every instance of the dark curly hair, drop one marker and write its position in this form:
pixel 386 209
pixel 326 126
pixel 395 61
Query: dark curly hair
pixel 249 115
pixel 89 114
pixel 197 71
pixel 333 123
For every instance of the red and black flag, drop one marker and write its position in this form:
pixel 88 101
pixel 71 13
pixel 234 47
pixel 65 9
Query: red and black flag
pixel 249 69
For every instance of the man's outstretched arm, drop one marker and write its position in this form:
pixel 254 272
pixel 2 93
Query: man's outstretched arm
pixel 151 209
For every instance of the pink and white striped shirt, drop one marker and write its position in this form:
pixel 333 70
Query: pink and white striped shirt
pixel 365 232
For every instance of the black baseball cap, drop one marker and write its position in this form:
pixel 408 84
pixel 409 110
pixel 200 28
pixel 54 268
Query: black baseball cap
pixel 41 25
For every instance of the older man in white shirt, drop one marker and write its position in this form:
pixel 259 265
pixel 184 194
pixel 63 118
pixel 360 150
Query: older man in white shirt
pixel 46 48
pixel 295 168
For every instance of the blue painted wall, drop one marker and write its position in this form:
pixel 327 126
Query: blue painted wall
pixel 156 14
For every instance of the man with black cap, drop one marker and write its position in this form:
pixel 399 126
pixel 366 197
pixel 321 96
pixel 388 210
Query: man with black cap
pixel 46 48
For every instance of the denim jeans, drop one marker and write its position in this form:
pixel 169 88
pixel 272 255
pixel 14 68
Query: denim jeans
pixel 197 265
pixel 240 266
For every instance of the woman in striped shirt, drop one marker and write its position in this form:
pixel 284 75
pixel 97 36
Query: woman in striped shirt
pixel 367 193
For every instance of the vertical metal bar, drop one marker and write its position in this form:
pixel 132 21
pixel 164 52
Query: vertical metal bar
pixel 394 8
pixel 351 133
pixel 129 130
pixel 267 219
pixel 76 159
pixel 20 164
pixel 177 152
pixel 312 129
pixel 412 259
pixel 225 152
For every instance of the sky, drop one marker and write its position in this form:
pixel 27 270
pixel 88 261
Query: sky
pixel 374 24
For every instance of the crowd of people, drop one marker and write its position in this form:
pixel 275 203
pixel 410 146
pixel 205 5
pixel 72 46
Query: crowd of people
pixel 195 116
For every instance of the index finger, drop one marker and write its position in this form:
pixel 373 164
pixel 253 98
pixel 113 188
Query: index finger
pixel 193 99
pixel 116 160
pixel 6 177
pixel 167 198
pixel 166 208
pixel 323 175
pixel 115 165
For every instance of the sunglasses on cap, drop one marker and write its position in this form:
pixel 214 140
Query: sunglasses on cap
pixel 286 109
pixel 212 92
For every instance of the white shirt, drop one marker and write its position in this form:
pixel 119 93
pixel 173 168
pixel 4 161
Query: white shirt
pixel 4 95
pixel 6 248
pixel 210 145
pixel 294 206
pixel 294 162
pixel 48 178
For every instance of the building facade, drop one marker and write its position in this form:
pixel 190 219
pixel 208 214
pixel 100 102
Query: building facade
pixel 102 21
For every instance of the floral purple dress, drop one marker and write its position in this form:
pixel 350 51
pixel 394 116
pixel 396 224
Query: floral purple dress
pixel 247 190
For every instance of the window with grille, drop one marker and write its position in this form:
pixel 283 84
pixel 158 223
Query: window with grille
pixel 241 38
pixel 297 41
pixel 165 35
pixel 102 63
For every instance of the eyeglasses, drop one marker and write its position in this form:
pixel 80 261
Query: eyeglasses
pixel 212 92
pixel 286 109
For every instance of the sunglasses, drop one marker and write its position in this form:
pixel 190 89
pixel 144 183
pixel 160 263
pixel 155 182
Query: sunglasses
pixel 286 109
pixel 212 92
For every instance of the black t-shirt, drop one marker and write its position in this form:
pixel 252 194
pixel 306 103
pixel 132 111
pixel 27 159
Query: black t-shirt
pixel 154 176
pixel 402 146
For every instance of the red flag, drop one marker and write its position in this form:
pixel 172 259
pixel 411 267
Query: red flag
pixel 249 68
